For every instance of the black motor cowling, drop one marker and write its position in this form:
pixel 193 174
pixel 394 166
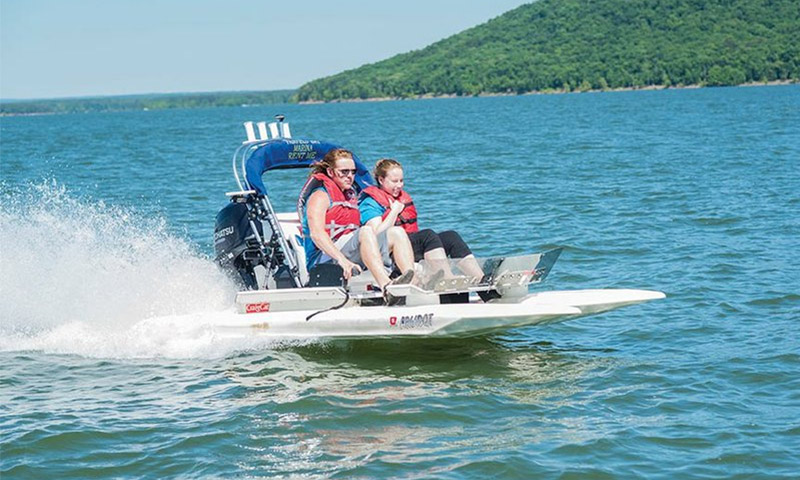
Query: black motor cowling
pixel 237 249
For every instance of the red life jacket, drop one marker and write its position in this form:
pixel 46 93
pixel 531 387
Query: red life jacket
pixel 342 215
pixel 407 218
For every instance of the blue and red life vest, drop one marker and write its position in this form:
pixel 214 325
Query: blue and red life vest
pixel 407 218
pixel 341 217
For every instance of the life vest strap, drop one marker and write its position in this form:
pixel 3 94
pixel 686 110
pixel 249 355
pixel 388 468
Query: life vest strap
pixel 344 204
pixel 337 230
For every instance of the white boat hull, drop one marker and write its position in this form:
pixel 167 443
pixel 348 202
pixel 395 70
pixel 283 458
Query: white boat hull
pixel 431 321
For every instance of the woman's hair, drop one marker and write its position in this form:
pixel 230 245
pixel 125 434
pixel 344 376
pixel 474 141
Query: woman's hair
pixel 383 166
pixel 329 160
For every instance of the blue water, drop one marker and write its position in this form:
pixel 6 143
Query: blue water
pixel 108 367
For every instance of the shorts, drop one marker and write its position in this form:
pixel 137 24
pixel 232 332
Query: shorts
pixel 350 246
pixel 426 240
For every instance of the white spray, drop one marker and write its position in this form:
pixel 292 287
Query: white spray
pixel 82 277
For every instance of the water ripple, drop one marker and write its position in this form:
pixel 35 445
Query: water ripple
pixel 691 192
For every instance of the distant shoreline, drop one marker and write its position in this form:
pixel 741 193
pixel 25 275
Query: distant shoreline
pixel 143 102
pixel 417 97
pixel 429 96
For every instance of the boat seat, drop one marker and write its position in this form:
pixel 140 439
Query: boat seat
pixel 326 275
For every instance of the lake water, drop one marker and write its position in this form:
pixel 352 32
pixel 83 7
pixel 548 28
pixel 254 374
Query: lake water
pixel 108 368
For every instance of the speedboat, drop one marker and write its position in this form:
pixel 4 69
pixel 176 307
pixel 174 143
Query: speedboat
pixel 263 251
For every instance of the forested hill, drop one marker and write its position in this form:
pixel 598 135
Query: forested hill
pixel 581 45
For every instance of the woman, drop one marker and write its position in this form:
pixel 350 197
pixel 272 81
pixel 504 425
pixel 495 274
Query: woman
pixel 329 211
pixel 388 205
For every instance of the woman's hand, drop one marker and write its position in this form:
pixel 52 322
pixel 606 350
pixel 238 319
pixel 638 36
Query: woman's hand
pixel 348 267
pixel 396 207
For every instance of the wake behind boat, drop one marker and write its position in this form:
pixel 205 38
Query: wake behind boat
pixel 264 251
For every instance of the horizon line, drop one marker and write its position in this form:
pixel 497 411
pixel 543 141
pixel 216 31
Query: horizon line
pixel 130 95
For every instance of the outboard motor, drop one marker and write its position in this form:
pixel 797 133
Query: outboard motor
pixel 236 246
pixel 245 239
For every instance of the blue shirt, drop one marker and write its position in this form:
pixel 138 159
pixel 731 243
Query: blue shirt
pixel 313 253
pixel 369 209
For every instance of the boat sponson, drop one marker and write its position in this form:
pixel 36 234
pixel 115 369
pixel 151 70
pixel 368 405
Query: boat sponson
pixel 289 299
pixel 436 321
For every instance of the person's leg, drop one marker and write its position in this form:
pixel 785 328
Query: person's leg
pixel 401 249
pixel 427 245
pixel 370 251
pixel 375 253
pixel 422 241
pixel 437 259
pixel 352 246
pixel 456 247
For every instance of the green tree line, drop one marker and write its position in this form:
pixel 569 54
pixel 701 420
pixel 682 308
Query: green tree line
pixel 145 102
pixel 569 45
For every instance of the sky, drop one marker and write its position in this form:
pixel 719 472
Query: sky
pixel 73 48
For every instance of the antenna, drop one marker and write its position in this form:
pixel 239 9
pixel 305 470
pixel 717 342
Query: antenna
pixel 283 128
